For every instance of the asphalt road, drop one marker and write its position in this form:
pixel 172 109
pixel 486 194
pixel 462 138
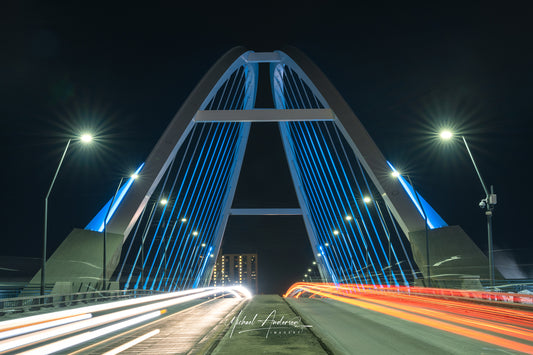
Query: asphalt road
pixel 177 324
pixel 347 329
pixel 268 325
pixel 181 330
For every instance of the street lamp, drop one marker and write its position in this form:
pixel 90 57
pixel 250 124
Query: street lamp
pixel 104 258
pixel 367 256
pixel 85 138
pixel 146 229
pixel 387 231
pixel 487 203
pixel 397 175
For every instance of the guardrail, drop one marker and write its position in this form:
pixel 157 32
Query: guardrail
pixel 34 303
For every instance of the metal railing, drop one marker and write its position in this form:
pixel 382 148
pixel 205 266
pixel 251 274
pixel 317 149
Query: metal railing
pixel 35 303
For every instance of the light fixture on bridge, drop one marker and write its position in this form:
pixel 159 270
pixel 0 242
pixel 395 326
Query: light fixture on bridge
pixel 163 201
pixel 446 134
pixel 305 275
pixel 395 174
pixel 319 255
pixel 86 138
pixel 336 232
pixel 314 262
pixel 203 245
pixel 326 244
pixel 195 233
pixel 348 218
pixel 488 203
pixel 308 270
pixel 134 176
pixel 367 199
pixel 183 220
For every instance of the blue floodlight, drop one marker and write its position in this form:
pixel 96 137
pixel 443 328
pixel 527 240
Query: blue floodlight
pixel 97 223
pixel 434 220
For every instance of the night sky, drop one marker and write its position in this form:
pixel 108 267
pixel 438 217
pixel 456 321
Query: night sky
pixel 123 71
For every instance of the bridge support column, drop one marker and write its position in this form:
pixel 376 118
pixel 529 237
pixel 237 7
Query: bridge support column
pixel 78 259
pixel 454 260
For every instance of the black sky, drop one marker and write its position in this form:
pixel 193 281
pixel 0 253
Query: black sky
pixel 125 69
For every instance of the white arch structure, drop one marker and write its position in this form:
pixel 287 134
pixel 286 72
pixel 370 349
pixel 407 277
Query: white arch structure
pixel 316 103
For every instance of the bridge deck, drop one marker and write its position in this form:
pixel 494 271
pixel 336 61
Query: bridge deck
pixel 268 325
pixel 346 329
pixel 185 331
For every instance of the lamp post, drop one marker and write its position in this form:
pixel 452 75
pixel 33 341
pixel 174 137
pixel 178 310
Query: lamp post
pixel 428 270
pixel 364 243
pixel 86 138
pixel 368 200
pixel 397 175
pixel 104 258
pixel 487 203
pixel 146 229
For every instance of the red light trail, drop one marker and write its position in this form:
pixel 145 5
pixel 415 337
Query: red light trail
pixel 434 308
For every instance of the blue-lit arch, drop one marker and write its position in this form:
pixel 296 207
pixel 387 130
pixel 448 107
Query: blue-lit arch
pixel 357 224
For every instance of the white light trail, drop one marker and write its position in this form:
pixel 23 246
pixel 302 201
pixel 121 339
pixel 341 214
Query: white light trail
pixel 14 323
pixel 40 326
pixel 115 316
pixel 134 342
pixel 81 338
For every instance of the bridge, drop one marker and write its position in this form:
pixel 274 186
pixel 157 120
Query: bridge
pixel 393 275
pixel 313 318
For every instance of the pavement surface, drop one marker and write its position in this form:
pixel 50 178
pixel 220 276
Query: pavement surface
pixel 267 325
pixel 180 331
pixel 347 329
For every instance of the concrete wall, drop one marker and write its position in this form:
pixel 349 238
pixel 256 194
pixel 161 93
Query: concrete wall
pixel 455 260
pixel 79 259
